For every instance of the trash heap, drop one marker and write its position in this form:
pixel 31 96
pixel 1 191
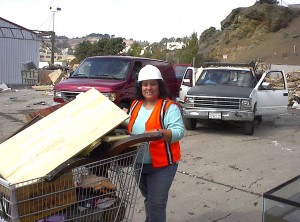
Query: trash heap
pixel 293 81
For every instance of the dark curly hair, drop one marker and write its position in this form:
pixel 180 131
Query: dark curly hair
pixel 163 93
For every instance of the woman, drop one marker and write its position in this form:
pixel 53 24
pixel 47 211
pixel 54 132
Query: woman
pixel 153 111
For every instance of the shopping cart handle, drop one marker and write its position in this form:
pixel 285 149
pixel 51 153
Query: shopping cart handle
pixel 124 144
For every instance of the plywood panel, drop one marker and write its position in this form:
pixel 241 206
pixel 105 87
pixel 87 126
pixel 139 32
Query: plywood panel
pixel 41 199
pixel 42 147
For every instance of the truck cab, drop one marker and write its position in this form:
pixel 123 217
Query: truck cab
pixel 189 79
pixel 180 69
pixel 232 92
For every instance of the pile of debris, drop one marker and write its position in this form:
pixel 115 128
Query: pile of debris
pixel 293 81
pixel 4 87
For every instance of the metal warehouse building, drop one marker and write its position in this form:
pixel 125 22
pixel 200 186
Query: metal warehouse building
pixel 18 45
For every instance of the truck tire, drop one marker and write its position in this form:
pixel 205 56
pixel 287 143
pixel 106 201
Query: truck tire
pixel 258 119
pixel 190 124
pixel 248 127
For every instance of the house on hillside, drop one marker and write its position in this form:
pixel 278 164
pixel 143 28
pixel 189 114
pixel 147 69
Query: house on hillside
pixel 18 46
pixel 175 45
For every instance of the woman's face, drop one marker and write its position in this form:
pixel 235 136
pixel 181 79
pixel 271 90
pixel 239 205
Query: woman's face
pixel 150 89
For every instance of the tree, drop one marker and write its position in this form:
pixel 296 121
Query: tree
pixel 147 52
pixel 100 48
pixel 83 50
pixel 158 52
pixel 108 47
pixel 187 54
pixel 135 49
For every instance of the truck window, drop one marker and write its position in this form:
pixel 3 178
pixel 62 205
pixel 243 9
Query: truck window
pixel 187 78
pixel 244 79
pixel 274 80
pixel 241 78
pixel 180 70
pixel 136 69
pixel 103 68
pixel 84 69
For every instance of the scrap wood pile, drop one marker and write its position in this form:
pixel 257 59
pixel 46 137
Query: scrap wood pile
pixel 47 78
pixel 293 81
pixel 70 161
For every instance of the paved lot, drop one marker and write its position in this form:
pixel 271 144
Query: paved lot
pixel 223 173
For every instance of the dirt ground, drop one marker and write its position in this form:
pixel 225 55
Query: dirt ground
pixel 223 173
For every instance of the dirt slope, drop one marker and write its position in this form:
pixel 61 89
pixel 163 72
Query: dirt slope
pixel 262 32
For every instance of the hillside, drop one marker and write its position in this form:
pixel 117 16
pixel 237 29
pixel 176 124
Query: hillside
pixel 262 32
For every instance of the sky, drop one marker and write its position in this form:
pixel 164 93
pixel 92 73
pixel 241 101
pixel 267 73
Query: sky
pixel 139 20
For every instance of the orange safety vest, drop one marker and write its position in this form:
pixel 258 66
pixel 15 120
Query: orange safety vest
pixel 162 153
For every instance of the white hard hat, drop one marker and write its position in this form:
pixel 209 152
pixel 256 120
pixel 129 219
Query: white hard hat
pixel 149 72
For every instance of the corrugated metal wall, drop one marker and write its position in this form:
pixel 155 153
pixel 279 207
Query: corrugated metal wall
pixel 17 45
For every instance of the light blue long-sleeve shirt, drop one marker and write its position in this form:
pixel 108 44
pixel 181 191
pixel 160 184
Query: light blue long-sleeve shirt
pixel 172 121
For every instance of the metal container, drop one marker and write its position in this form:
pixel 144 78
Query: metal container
pixel 282 204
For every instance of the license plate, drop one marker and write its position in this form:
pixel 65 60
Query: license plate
pixel 214 115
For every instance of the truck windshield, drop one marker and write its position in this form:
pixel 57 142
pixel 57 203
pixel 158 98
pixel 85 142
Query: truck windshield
pixel 103 68
pixel 242 78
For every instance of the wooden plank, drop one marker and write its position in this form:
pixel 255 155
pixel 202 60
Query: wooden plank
pixel 59 136
pixel 41 199
pixel 56 76
pixel 42 88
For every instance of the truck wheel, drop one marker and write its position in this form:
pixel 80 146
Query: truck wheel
pixel 190 124
pixel 258 119
pixel 248 127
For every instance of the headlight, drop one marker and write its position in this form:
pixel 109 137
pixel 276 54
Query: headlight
pixel 189 100
pixel 112 96
pixel 57 94
pixel 245 104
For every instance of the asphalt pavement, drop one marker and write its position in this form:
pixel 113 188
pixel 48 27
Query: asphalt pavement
pixel 223 173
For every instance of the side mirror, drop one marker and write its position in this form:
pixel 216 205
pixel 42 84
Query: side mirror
pixel 265 85
pixel 186 82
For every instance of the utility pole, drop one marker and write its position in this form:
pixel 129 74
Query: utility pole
pixel 53 33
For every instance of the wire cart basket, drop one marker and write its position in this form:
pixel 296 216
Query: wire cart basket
pixel 103 190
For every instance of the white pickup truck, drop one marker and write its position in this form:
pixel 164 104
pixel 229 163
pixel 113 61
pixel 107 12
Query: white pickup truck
pixel 231 92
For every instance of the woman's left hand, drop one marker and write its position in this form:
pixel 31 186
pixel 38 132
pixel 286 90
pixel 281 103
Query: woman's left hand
pixel 166 134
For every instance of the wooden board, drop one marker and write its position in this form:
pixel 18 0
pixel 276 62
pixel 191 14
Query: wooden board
pixel 42 88
pixel 41 199
pixel 61 135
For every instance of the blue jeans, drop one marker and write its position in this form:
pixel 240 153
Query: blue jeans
pixel 154 185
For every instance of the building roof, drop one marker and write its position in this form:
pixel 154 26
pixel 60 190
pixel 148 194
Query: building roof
pixel 18 26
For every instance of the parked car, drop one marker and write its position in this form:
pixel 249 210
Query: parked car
pixel 232 92
pixel 113 76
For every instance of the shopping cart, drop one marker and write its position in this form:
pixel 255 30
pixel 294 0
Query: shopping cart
pixel 104 190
